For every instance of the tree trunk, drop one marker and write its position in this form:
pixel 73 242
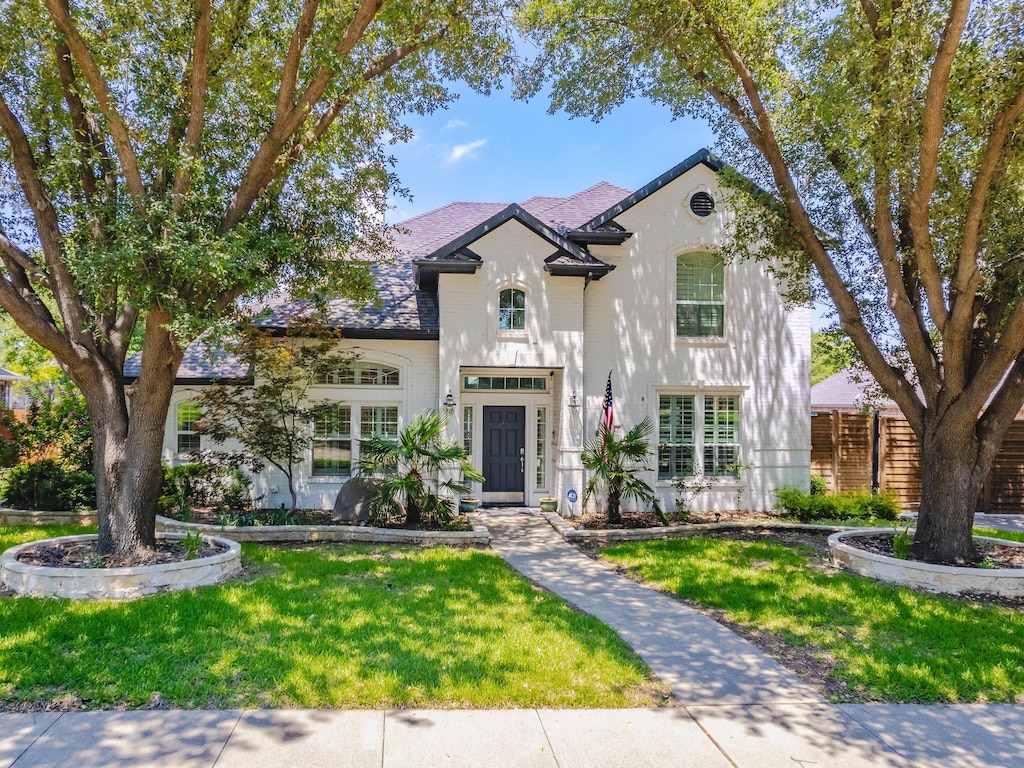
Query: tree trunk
pixel 128 446
pixel 614 502
pixel 954 465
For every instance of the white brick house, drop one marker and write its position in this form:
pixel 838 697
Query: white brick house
pixel 519 312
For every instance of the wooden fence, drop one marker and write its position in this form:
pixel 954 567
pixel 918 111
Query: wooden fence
pixel 843 452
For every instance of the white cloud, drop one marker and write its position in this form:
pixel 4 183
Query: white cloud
pixel 460 151
pixel 455 124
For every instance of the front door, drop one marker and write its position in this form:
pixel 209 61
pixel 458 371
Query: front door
pixel 504 454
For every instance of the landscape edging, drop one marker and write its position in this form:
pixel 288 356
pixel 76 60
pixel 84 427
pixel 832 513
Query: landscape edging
pixel 47 517
pixel 267 534
pixel 605 536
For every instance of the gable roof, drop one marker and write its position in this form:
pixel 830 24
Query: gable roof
pixel 703 156
pixel 850 390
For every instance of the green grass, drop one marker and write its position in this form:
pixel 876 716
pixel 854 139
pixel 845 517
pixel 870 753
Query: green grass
pixel 333 626
pixel 887 643
pixel 997 533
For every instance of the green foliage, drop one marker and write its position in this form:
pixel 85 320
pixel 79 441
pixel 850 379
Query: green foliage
pixel 831 352
pixel 819 487
pixel 56 426
pixel 216 481
pixel 333 627
pixel 901 544
pixel 689 489
pixel 272 418
pixel 613 465
pixel 884 643
pixel 192 543
pixel 423 472
pixel 809 507
pixel 46 484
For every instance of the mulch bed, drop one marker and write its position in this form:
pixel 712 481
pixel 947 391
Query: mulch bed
pixel 82 554
pixel 323 517
pixel 632 520
pixel 992 555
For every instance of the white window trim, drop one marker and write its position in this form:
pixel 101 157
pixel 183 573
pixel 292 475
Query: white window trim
pixel 529 317
pixel 713 342
pixel 356 415
pixel 723 482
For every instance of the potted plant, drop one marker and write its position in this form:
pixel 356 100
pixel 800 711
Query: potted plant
pixel 549 504
pixel 468 504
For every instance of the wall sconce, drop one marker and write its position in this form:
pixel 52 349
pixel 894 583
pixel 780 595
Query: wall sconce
pixel 574 402
pixel 449 404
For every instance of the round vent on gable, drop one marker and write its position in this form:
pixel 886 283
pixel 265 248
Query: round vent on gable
pixel 702 204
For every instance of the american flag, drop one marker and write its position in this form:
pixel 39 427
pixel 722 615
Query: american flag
pixel 608 409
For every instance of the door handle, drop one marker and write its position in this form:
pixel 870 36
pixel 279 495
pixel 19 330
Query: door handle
pixel 522 460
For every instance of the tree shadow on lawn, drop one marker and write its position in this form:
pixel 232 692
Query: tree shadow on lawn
pixel 332 627
pixel 887 643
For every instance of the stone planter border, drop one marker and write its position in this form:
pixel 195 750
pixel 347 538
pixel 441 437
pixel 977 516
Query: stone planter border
pixel 39 517
pixel 478 537
pixel 603 537
pixel 117 583
pixel 949 579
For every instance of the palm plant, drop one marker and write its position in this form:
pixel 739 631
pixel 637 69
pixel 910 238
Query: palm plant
pixel 612 465
pixel 410 469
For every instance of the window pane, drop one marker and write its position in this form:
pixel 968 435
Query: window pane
pixel 721 434
pixel 467 429
pixel 380 421
pixel 700 281
pixel 332 441
pixel 363 374
pixel 511 310
pixel 542 418
pixel 188 440
pixel 675 436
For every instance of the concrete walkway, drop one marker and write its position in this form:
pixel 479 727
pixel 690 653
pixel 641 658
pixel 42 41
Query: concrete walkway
pixel 739 709
pixel 759 736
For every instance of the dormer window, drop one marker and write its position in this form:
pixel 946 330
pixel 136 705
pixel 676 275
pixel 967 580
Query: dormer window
pixel 511 310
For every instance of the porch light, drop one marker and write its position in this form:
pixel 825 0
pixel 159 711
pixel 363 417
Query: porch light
pixel 574 402
pixel 449 403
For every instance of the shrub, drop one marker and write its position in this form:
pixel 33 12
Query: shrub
pixel 808 507
pixel 45 485
pixel 818 485
pixel 210 483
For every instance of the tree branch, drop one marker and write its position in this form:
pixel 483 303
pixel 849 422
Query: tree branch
pixel 968 277
pixel 197 79
pixel 289 74
pixel 933 126
pixel 101 89
pixel 893 381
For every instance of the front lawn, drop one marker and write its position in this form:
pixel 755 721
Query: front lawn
pixel 327 626
pixel 877 642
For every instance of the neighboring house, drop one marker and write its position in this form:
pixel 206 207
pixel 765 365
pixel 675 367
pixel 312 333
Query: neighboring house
pixel 7 382
pixel 509 318
pixel 860 440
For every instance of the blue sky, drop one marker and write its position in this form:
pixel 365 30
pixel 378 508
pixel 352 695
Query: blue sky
pixel 497 150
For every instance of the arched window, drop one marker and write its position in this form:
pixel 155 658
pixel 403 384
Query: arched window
pixel 511 310
pixel 361 374
pixel 700 310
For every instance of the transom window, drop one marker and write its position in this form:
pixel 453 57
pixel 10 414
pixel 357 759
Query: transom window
pixel 189 440
pixel 332 441
pixel 511 310
pixel 361 374
pixel 533 383
pixel 700 279
pixel 679 439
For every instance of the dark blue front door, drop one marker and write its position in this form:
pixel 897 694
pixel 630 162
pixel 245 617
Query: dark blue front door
pixel 504 454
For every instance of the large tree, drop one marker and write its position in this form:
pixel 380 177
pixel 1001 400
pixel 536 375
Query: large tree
pixel 889 135
pixel 162 162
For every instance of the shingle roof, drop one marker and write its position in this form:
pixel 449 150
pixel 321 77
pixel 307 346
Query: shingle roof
pixel 202 363
pixel 849 390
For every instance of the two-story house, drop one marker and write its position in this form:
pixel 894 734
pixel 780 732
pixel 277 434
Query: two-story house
pixel 509 318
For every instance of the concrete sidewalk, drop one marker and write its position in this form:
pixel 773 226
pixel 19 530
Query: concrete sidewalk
pixel 757 736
